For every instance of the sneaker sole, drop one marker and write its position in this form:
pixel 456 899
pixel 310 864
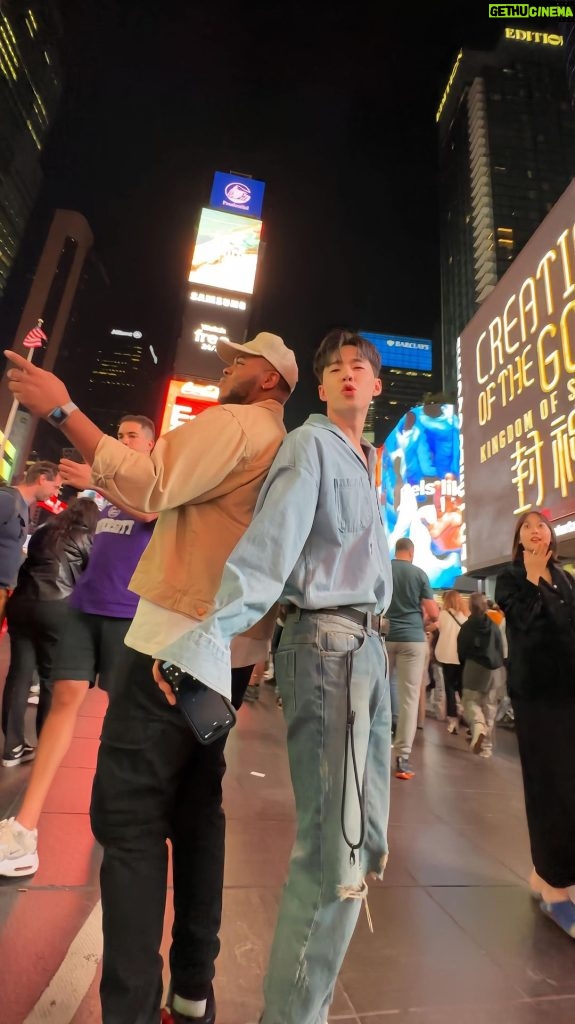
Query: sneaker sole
pixel 19 867
pixel 13 762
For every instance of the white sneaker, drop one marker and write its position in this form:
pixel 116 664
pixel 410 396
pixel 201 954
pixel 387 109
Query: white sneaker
pixel 35 689
pixel 18 849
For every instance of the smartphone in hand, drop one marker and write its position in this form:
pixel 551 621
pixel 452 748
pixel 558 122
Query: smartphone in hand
pixel 72 454
pixel 208 714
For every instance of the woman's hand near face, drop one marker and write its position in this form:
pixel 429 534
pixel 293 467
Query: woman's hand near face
pixel 536 561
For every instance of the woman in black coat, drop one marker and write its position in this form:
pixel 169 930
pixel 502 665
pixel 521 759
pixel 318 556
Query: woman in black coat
pixel 538 600
pixel 57 554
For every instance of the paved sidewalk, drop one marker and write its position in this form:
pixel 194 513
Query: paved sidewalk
pixel 458 940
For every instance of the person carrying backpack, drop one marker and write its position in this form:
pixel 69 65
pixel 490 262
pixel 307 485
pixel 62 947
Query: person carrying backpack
pixel 480 651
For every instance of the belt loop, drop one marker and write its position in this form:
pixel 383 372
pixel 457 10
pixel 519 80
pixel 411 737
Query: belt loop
pixel 297 613
pixel 368 625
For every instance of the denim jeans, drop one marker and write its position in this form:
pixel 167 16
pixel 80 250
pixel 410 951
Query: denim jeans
pixel 154 782
pixel 323 894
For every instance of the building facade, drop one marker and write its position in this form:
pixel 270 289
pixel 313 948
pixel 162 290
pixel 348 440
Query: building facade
pixel 506 154
pixel 30 87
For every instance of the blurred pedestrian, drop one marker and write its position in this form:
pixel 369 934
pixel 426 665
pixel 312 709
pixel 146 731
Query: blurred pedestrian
pixel 451 618
pixel 99 612
pixel 407 647
pixel 480 651
pixel 40 481
pixel 37 613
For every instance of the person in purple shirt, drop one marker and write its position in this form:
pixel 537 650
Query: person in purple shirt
pixel 101 609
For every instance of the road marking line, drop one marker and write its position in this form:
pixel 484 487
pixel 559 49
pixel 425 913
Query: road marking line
pixel 60 1001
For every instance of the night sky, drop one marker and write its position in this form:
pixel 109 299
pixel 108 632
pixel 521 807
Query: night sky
pixel 334 109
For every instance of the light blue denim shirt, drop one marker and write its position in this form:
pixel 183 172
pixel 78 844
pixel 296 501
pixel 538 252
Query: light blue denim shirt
pixel 316 541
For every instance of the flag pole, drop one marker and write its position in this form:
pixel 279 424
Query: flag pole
pixel 14 408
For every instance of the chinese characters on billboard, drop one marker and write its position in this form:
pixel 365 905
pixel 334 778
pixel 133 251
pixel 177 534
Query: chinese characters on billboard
pixel 226 252
pixel 517 393
pixel 419 489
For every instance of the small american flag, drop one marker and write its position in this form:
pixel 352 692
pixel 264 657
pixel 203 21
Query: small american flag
pixel 35 337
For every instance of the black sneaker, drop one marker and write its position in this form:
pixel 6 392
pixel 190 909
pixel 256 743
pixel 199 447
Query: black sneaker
pixel 403 769
pixel 20 755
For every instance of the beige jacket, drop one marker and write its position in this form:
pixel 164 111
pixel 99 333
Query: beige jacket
pixel 203 479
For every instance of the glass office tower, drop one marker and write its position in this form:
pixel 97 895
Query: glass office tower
pixel 506 153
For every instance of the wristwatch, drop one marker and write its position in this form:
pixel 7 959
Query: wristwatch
pixel 60 414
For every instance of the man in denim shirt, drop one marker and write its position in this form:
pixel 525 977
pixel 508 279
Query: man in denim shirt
pixel 317 542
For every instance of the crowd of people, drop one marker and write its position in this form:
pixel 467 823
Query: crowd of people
pixel 182 566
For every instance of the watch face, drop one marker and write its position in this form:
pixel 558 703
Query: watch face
pixel 58 415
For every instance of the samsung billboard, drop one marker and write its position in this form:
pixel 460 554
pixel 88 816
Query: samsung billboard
pixel 401 352
pixel 233 192
pixel 420 491
pixel 516 385
pixel 202 328
pixel 226 252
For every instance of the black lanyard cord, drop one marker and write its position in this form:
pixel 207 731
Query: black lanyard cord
pixel 350 745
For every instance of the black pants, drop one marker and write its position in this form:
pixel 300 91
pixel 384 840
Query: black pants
pixel 545 729
pixel 34 628
pixel 452 680
pixel 154 782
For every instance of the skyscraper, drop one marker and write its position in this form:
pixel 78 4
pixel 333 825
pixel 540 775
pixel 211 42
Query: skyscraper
pixel 30 86
pixel 506 154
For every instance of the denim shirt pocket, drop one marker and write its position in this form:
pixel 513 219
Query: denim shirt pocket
pixel 353 502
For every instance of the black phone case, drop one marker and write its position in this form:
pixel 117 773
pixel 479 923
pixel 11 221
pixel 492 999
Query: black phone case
pixel 208 714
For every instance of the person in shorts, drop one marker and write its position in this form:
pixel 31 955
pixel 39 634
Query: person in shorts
pixel 101 610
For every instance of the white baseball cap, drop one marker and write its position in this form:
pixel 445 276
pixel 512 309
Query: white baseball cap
pixel 270 347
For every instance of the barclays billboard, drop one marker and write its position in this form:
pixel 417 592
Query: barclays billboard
pixel 402 352
pixel 242 195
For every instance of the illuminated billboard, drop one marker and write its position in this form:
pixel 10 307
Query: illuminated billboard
pixel 516 389
pixel 185 400
pixel 226 252
pixel 196 354
pixel 419 489
pixel 400 351
pixel 234 192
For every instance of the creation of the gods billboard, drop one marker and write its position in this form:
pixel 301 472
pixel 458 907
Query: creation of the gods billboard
pixel 516 385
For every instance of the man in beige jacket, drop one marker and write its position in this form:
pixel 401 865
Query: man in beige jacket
pixel 153 780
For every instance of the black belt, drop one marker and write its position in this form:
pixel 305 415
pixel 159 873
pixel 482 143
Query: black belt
pixel 374 623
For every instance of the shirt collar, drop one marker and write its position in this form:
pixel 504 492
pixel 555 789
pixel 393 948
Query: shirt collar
pixel 319 420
